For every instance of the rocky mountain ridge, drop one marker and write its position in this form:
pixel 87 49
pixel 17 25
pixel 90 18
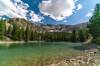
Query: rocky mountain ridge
pixel 46 27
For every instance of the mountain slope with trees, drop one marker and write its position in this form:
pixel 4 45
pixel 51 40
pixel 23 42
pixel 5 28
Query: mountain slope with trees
pixel 94 24
pixel 22 30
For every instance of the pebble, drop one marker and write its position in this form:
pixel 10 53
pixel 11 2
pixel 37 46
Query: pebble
pixel 89 59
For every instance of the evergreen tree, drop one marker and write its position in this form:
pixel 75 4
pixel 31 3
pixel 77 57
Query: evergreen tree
pixel 9 31
pixel 94 22
pixel 15 31
pixel 20 34
pixel 73 37
pixel 82 35
pixel 2 29
pixel 27 33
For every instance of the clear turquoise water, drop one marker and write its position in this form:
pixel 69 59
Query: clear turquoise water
pixel 37 53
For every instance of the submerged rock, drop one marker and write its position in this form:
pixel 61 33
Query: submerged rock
pixel 90 58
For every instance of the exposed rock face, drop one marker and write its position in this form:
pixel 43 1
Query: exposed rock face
pixel 89 58
pixel 46 27
pixel 22 23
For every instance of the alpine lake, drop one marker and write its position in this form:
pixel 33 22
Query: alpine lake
pixel 37 53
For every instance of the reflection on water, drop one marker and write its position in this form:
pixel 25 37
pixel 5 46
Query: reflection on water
pixel 37 44
pixel 36 52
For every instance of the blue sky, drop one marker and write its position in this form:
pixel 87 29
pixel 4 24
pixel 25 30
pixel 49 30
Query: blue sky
pixel 49 11
pixel 79 16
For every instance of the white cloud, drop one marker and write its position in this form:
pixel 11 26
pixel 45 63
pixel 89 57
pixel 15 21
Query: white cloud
pixel 75 0
pixel 57 9
pixel 34 17
pixel 89 14
pixel 16 9
pixel 8 8
pixel 65 21
pixel 79 6
pixel 92 9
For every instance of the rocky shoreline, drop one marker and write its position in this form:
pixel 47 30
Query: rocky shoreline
pixel 88 58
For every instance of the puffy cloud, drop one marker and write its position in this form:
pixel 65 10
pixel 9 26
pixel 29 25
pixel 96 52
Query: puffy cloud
pixel 16 9
pixel 8 8
pixel 89 14
pixel 65 21
pixel 75 0
pixel 34 17
pixel 79 6
pixel 57 9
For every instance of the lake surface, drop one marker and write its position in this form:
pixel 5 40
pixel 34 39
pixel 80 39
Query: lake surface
pixel 33 54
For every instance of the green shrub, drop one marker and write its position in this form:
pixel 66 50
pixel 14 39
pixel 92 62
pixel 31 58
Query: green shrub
pixel 97 40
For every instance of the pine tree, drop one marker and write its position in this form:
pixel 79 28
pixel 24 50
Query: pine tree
pixel 15 31
pixel 9 31
pixel 82 35
pixel 27 33
pixel 73 36
pixel 94 22
pixel 2 29
pixel 20 34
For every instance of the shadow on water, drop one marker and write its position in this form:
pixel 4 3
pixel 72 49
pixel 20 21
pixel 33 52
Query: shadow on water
pixel 11 46
pixel 78 47
pixel 84 47
pixel 20 45
pixel 75 46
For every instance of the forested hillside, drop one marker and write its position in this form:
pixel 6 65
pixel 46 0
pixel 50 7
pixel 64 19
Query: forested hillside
pixel 22 30
pixel 94 24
